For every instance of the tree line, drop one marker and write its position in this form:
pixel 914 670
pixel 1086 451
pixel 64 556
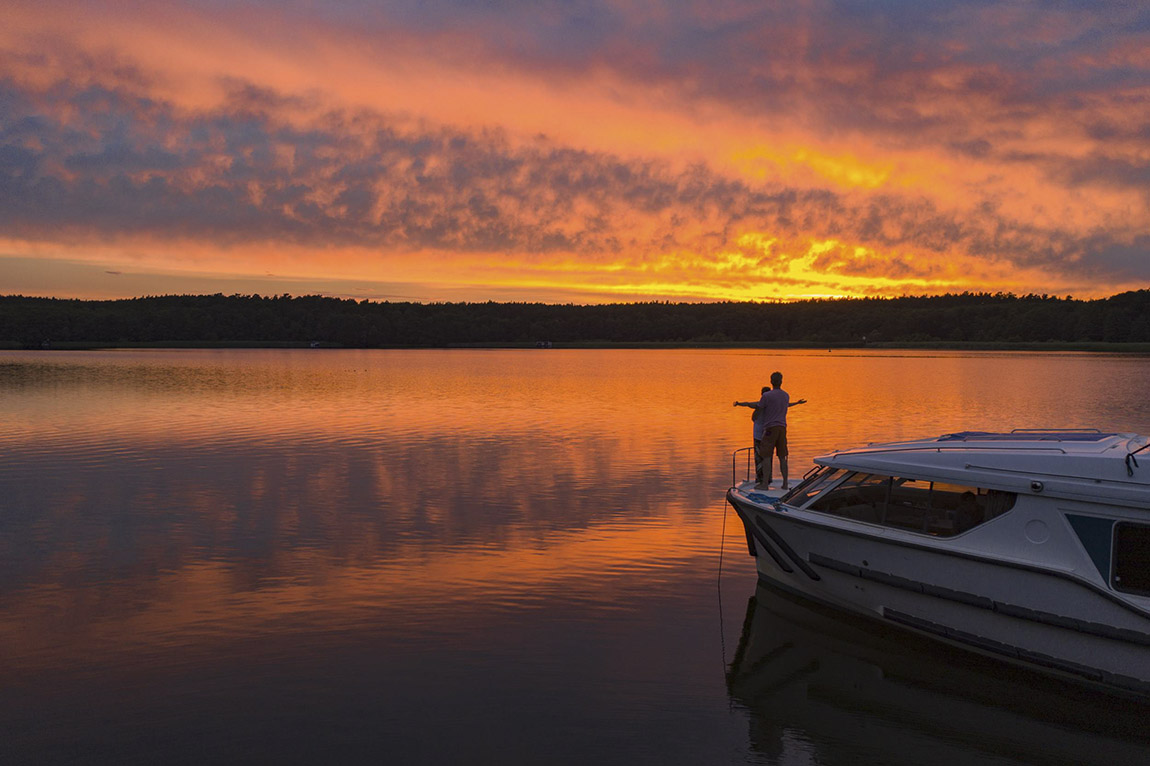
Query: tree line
pixel 987 318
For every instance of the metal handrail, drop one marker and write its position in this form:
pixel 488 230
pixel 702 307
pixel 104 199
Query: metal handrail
pixel 734 461
pixel 941 447
pixel 1054 431
pixel 1026 473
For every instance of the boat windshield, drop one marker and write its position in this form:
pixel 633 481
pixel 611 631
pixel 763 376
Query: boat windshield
pixel 812 486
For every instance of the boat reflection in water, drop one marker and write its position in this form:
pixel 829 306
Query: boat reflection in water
pixel 822 687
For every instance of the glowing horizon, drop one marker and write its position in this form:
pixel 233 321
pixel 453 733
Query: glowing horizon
pixel 588 152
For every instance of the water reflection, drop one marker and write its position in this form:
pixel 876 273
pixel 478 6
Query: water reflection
pixel 163 503
pixel 296 550
pixel 826 688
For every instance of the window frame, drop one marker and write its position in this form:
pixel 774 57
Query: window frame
pixel 814 479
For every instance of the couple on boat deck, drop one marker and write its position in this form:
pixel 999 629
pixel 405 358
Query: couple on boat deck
pixel 770 434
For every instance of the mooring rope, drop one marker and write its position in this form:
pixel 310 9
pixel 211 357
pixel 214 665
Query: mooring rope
pixel 722 542
pixel 719 589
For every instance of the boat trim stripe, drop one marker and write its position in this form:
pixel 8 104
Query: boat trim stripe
pixel 1016 653
pixel 779 560
pixel 1011 610
pixel 763 542
pixel 787 549
pixel 959 554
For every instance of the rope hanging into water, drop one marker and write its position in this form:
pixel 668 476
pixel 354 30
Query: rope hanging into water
pixel 722 542
pixel 719 588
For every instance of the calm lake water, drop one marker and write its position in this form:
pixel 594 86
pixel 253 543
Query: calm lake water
pixel 483 556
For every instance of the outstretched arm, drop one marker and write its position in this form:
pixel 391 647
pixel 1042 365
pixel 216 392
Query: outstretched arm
pixel 792 404
pixel 754 405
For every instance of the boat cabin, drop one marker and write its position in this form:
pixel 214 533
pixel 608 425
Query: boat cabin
pixel 950 485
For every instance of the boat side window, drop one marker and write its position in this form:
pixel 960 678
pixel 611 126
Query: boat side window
pixel 908 504
pixel 860 497
pixel 918 505
pixel 998 502
pixel 813 486
pixel 940 508
pixel 955 508
pixel 1132 558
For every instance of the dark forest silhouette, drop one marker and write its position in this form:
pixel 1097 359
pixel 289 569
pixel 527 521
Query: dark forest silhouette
pixel 978 318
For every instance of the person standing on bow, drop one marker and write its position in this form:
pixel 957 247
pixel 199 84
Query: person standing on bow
pixel 772 411
pixel 757 435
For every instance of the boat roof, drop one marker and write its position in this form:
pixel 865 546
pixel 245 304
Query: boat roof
pixel 1065 461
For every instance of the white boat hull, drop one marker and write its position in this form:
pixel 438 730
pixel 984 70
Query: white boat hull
pixel 1049 619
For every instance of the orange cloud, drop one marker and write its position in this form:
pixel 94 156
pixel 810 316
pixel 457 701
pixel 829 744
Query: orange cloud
pixel 483 153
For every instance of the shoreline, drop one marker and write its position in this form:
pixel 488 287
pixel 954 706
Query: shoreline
pixel 1052 346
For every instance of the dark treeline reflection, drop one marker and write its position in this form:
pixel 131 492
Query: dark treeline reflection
pixel 823 688
pixel 968 317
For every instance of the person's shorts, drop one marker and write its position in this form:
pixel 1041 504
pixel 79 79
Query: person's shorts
pixel 775 439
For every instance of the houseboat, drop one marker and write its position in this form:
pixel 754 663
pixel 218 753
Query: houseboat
pixel 1032 547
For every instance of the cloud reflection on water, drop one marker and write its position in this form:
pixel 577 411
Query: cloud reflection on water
pixel 293 533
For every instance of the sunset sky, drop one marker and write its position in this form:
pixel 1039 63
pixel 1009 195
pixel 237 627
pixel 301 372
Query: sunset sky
pixel 585 151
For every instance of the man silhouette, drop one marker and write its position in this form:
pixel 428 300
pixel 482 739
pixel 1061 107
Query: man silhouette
pixel 772 427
